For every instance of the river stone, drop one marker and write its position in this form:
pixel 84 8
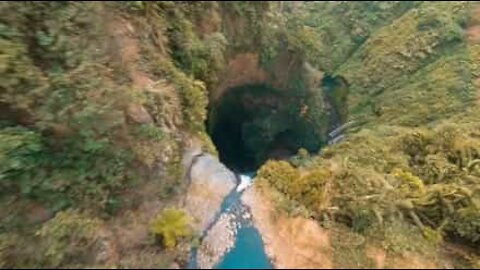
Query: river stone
pixel 219 240
pixel 210 183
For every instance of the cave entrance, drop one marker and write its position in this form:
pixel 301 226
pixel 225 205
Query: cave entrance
pixel 253 123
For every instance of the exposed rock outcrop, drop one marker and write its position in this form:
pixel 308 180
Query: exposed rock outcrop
pixel 219 240
pixel 209 183
pixel 138 114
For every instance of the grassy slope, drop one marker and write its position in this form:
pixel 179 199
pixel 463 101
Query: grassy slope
pixel 413 71
pixel 97 101
pixel 386 63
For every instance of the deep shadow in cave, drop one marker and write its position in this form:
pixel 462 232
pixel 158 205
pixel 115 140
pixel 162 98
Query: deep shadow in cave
pixel 335 90
pixel 252 123
pixel 256 122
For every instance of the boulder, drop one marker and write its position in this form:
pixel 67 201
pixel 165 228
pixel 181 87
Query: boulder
pixel 138 114
pixel 209 183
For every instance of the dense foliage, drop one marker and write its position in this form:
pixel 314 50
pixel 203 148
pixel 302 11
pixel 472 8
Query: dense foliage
pixel 99 100
pixel 407 65
pixel 171 225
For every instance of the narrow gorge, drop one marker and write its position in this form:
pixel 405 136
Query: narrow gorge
pixel 240 134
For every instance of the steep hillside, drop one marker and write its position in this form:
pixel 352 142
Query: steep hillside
pixel 98 103
pixel 405 178
pixel 105 107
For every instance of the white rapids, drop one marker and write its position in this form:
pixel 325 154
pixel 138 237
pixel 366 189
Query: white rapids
pixel 245 182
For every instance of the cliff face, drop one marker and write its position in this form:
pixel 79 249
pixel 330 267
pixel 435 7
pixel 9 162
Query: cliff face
pixel 99 102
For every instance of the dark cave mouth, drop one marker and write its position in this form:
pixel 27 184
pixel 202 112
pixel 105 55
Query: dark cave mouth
pixel 253 123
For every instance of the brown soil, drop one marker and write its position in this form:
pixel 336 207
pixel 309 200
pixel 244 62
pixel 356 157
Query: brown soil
pixel 210 23
pixel 290 242
pixel 473 35
pixel 412 261
pixel 473 32
pixel 123 35
pixel 126 239
pixel 285 65
pixel 378 255
pixel 242 69
pixel 130 231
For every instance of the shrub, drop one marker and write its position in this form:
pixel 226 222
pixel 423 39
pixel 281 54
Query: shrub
pixel 307 188
pixel 68 239
pixel 8 243
pixel 410 184
pixel 171 225
pixel 279 174
pixel 20 152
pixel 311 188
pixel 362 218
pixel 466 224
pixel 301 158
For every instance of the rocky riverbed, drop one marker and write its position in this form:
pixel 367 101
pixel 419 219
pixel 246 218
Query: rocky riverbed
pixel 210 182
pixel 213 200
pixel 222 236
pixel 218 241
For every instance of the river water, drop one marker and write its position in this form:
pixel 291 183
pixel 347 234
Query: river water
pixel 248 251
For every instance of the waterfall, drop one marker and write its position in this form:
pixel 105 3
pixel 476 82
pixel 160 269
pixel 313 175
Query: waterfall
pixel 245 182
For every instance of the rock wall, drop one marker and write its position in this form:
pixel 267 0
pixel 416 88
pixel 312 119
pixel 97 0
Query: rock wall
pixel 245 68
pixel 209 183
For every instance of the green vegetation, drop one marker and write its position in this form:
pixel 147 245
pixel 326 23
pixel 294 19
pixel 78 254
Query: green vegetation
pixel 329 32
pixel 308 188
pixel 425 39
pixel 350 250
pixel 66 140
pixel 171 225
pixel 98 102
pixel 70 240
pixel 80 128
pixel 427 179
pixel 424 180
pixel 60 112
pixel 68 237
